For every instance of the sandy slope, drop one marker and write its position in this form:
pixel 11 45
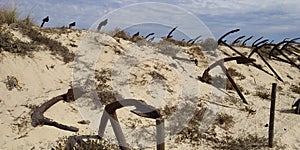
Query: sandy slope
pixel 40 84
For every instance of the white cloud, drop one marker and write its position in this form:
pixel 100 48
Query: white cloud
pixel 271 18
pixel 229 7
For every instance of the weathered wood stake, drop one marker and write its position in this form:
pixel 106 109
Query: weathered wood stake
pixel 272 115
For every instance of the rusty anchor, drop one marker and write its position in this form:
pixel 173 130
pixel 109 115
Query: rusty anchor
pixel 258 46
pixel 240 60
pixel 220 41
pixel 142 109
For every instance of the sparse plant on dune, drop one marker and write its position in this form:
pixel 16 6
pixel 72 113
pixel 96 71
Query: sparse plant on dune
pixel 118 33
pixel 234 73
pixel 10 16
pixel 295 89
pixel 54 46
pixel 225 121
pixel 86 143
pixel 263 95
pixel 249 141
pixel 176 42
pixel 10 44
pixel 104 89
pixel 28 21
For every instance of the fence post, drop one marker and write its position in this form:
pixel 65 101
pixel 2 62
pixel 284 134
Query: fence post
pixel 272 115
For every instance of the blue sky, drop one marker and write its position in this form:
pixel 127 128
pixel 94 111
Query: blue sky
pixel 273 19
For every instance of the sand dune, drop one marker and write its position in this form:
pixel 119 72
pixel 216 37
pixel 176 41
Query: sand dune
pixel 42 76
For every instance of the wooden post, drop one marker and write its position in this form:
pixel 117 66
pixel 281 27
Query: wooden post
pixel 272 115
pixel 160 135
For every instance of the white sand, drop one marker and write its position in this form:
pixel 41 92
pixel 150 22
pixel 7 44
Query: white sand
pixel 40 84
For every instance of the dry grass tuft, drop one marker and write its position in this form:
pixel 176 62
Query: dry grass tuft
pixel 176 42
pixel 225 121
pixel 8 43
pixel 118 33
pixel 54 46
pixel 10 16
pixel 295 89
pixel 263 95
pixel 168 110
pixel 196 53
pixel 234 73
pixel 244 142
pixel 230 87
pixel 104 90
pixel 89 143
